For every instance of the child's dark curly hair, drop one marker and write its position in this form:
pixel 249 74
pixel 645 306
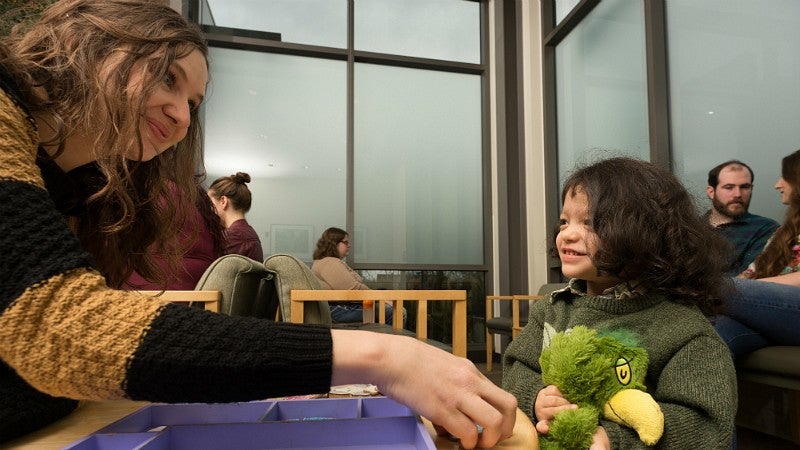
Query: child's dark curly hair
pixel 649 231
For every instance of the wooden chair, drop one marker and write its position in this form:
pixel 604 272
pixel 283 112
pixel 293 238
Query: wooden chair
pixel 302 300
pixel 209 299
pixel 495 325
pixel 508 326
pixel 458 297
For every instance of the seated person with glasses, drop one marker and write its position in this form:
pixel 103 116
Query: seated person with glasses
pixel 333 273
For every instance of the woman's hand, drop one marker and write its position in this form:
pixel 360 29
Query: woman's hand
pixel 549 401
pixel 792 279
pixel 447 390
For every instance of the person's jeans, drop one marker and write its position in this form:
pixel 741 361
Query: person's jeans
pixel 758 314
pixel 348 313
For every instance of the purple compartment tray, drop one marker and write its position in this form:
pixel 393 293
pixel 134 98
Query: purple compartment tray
pixel 337 423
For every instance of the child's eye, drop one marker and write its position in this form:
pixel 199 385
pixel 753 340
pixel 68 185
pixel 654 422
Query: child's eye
pixel 562 223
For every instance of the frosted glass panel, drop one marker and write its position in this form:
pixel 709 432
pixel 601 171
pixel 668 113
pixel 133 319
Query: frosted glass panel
pixel 563 8
pixel 417 172
pixel 601 86
pixel 734 90
pixel 313 22
pixel 438 29
pixel 282 119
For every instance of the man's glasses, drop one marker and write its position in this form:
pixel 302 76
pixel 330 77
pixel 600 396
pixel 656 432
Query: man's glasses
pixel 347 243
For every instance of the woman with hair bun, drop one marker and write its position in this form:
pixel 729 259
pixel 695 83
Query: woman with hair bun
pixel 232 198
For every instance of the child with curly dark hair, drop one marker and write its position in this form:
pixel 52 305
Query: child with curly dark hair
pixel 639 258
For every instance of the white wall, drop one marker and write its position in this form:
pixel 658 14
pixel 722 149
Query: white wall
pixel 533 107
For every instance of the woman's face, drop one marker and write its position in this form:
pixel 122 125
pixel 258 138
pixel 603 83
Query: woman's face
pixel 167 114
pixel 343 247
pixel 219 206
pixel 785 189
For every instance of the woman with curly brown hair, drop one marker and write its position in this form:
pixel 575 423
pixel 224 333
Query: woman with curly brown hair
pixel 639 259
pixel 765 309
pixel 98 129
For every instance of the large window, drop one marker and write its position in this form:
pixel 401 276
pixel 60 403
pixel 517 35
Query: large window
pixel 734 91
pixel 418 166
pixel 684 83
pixel 438 29
pixel 313 22
pixel 377 126
pixel 601 86
pixel 281 119
pixel 415 155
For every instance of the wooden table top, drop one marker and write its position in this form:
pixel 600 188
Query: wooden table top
pixel 91 416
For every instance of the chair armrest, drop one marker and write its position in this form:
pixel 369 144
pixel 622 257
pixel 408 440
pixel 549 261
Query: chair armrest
pixel 490 299
pixel 209 299
pixel 515 310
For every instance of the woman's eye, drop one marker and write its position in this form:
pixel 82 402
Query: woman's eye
pixel 169 79
pixel 192 105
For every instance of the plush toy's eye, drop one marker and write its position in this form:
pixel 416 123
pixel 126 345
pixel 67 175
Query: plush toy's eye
pixel 623 368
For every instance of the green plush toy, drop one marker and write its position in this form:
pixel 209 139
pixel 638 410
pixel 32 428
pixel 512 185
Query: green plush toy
pixel 602 374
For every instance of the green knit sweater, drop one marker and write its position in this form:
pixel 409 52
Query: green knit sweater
pixel 691 374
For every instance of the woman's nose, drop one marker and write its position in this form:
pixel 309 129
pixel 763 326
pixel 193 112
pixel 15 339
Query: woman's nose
pixel 180 114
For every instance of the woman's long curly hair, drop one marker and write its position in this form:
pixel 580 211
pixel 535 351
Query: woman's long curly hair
pixel 778 253
pixel 649 232
pixel 328 242
pixel 81 55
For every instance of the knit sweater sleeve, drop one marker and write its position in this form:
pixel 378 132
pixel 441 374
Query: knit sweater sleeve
pixel 66 334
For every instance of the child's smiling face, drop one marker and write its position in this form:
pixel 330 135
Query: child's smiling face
pixel 577 243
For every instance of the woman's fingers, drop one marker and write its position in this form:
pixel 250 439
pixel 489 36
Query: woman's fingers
pixel 447 390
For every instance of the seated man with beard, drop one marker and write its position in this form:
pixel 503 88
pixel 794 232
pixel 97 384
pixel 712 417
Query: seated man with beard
pixel 730 186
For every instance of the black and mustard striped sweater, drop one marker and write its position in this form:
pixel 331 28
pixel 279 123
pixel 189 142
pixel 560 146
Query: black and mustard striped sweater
pixel 65 335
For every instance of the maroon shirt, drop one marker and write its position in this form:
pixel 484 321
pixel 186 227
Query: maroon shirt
pixel 242 239
pixel 192 266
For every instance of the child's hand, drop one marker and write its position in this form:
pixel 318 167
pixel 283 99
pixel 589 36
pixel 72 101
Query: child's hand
pixel 549 401
pixel 600 440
